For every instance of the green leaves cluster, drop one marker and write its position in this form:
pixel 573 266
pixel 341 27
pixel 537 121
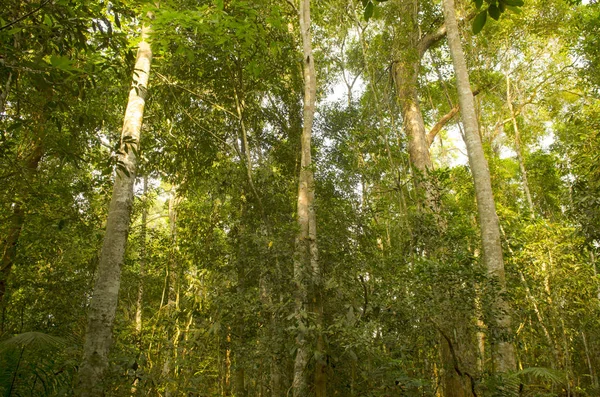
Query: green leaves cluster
pixel 494 8
pixel 369 8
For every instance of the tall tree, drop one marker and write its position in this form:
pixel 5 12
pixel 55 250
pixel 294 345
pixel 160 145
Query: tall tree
pixel 103 304
pixel 486 207
pixel 307 270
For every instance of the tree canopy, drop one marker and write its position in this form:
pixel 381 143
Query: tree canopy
pixel 276 198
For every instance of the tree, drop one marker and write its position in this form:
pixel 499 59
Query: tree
pixel 307 271
pixel 488 219
pixel 103 304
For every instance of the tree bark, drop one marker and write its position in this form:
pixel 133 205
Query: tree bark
pixel 488 219
pixel 406 73
pixel 103 304
pixel 307 271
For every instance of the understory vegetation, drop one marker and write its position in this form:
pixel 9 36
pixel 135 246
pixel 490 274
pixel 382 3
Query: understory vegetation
pixel 278 198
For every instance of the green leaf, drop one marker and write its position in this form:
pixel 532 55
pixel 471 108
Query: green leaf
pixel 479 22
pixel 516 10
pixel 514 3
pixel 478 3
pixel 62 63
pixel 369 10
pixel 494 11
pixel 48 20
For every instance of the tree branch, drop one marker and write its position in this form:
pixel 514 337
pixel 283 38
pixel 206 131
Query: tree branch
pixel 431 38
pixel 8 25
pixel 441 123
pixel 444 120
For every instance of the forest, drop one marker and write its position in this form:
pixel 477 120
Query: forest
pixel 280 198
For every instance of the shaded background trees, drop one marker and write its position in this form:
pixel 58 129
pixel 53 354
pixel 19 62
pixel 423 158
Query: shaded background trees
pixel 407 304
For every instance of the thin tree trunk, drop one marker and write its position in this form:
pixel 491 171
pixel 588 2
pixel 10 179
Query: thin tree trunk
pixel 103 304
pixel 142 273
pixel 172 291
pixel 488 219
pixel 519 150
pixel 588 357
pixel 307 271
pixel 140 296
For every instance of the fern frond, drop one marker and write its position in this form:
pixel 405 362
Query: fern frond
pixel 35 340
pixel 546 374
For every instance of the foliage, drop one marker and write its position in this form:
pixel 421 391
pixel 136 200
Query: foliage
pixel 211 243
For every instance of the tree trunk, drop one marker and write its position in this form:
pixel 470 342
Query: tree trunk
pixel 452 382
pixel 488 219
pixel 518 149
pixel 406 71
pixel 139 304
pixel 588 356
pixel 142 274
pixel 103 304
pixel 307 272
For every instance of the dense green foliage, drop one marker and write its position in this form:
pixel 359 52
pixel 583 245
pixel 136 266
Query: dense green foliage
pixel 215 254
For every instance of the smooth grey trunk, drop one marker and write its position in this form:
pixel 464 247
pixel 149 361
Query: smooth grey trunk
pixel 307 271
pixel 488 219
pixel 103 304
pixel 518 149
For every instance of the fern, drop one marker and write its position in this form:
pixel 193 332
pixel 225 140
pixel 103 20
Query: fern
pixel 35 363
pixel 33 340
pixel 545 374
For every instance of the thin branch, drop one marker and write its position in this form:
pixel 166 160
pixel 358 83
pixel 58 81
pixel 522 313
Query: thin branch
pixel 8 25
pixel 445 119
pixel 431 38
pixel 216 105
pixel 291 3
pixel 194 118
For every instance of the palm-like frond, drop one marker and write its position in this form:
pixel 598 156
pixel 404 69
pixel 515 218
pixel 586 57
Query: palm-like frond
pixel 34 363
pixel 544 374
pixel 34 341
